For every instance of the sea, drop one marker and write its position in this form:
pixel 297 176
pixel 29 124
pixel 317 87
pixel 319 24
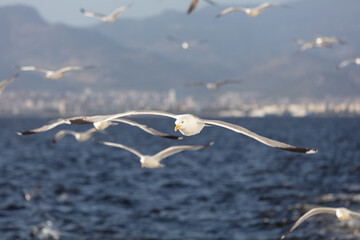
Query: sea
pixel 236 189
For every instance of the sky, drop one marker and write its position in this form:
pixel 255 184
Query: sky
pixel 60 12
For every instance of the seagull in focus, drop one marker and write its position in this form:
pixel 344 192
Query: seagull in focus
pixel 98 126
pixel 79 136
pixel 106 18
pixel 4 83
pixel 347 62
pixel 251 12
pixel 342 214
pixel 187 124
pixel 325 42
pixel 186 44
pixel 194 4
pixel 56 74
pixel 154 160
pixel 214 86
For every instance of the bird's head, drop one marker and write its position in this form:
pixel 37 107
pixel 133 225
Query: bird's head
pixel 142 161
pixel 102 125
pixel 188 124
pixel 343 214
pixel 185 45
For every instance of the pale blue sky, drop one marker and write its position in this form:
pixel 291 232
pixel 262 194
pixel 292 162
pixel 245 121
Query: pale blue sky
pixel 67 11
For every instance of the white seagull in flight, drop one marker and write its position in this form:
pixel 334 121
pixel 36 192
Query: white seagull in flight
pixel 342 214
pixel 4 83
pixel 325 42
pixel 214 86
pixel 154 160
pixel 106 18
pixel 187 124
pixel 186 44
pixel 251 12
pixel 50 74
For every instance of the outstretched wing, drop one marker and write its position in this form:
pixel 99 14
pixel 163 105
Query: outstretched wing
pixel 172 39
pixel 118 145
pixel 119 10
pixel 230 10
pixel 31 68
pixel 310 213
pixel 346 63
pixel 59 135
pixel 265 5
pixel 193 5
pixel 6 82
pixel 175 149
pixel 227 81
pixel 71 68
pixel 91 14
pixel 146 128
pixel 93 119
pixel 195 84
pixel 264 140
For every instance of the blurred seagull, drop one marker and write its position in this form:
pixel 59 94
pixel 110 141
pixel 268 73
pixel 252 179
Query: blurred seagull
pixel 342 214
pixel 79 136
pixel 214 86
pixel 348 62
pixel 99 125
pixel 154 160
pixel 49 74
pixel 29 194
pixel 251 12
pixel 194 4
pixel 4 83
pixel 105 18
pixel 325 42
pixel 187 124
pixel 186 44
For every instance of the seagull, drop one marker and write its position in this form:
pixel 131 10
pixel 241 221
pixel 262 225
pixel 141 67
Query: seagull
pixel 348 62
pixel 4 83
pixel 213 86
pixel 194 3
pixel 49 74
pixel 342 214
pixel 29 194
pixel 187 124
pixel 154 160
pixel 325 42
pixel 98 125
pixel 251 12
pixel 186 44
pixel 106 19
pixel 79 136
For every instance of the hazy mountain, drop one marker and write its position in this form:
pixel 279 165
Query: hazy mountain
pixel 136 53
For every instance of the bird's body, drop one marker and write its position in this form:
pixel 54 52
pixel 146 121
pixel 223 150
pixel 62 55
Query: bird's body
pixel 342 214
pixel 187 124
pixel 153 161
pixel 105 18
pixel 4 83
pixel 347 62
pixel 251 12
pixel 50 74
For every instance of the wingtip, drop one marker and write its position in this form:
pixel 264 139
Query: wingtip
pixel 311 151
pixel 282 237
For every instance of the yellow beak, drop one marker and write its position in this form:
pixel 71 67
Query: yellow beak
pixel 142 165
pixel 342 217
pixel 177 127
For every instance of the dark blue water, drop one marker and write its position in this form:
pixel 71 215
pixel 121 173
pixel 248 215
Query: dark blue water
pixel 235 189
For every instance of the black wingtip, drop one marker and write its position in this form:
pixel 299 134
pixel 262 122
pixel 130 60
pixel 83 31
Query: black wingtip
pixel 173 137
pixel 25 133
pixel 300 150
